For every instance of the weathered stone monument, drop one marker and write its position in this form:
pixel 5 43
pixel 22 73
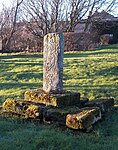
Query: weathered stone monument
pixel 0 44
pixel 52 103
pixel 53 62
pixel 52 93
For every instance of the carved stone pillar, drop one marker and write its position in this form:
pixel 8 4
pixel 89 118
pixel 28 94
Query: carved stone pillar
pixel 53 62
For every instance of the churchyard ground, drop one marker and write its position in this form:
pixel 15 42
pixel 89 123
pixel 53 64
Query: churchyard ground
pixel 92 73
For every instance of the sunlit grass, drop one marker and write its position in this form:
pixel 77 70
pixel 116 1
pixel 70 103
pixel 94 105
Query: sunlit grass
pixel 92 73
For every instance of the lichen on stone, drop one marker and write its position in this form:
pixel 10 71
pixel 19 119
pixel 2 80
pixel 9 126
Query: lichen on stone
pixel 105 104
pixel 26 109
pixel 53 99
pixel 84 119
pixel 33 112
pixel 9 105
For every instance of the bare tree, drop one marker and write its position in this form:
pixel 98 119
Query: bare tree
pixel 44 16
pixel 99 5
pixel 8 20
pixel 78 10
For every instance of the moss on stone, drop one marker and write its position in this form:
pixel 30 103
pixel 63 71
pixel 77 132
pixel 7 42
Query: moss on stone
pixel 9 105
pixel 1 111
pixel 23 108
pixel 59 114
pixel 72 116
pixel 105 104
pixel 58 100
pixel 83 119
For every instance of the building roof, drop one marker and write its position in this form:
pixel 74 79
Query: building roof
pixel 103 16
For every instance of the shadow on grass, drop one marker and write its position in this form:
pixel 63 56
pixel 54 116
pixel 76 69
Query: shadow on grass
pixel 28 75
pixel 110 46
pixel 38 85
pixel 102 52
pixel 108 125
pixel 90 86
pixel 20 85
pixel 13 76
pixel 17 63
pixel 110 49
pixel 90 53
pixel 16 89
pixel 108 71
pixel 29 55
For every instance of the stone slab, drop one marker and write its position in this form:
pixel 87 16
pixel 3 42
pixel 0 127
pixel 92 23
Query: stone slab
pixel 28 110
pixel 84 119
pixel 0 45
pixel 51 99
pixel 105 104
pixel 59 114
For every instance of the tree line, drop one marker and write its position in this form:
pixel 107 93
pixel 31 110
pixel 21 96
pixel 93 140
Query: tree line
pixel 40 17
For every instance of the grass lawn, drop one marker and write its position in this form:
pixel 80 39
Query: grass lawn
pixel 93 73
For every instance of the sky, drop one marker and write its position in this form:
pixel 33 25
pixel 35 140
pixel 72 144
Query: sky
pixel 8 2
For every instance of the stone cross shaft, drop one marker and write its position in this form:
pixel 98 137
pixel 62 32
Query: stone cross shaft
pixel 0 44
pixel 53 62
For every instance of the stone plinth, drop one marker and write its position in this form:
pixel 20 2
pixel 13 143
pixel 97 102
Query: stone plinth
pixel 51 99
pixel 0 44
pixel 84 119
pixel 105 104
pixel 25 109
pixel 59 114
pixel 53 62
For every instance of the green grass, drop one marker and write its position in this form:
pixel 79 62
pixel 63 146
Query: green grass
pixel 93 73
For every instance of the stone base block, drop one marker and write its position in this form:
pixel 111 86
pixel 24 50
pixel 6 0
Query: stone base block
pixel 59 114
pixel 54 116
pixel 105 104
pixel 23 108
pixel 1 110
pixel 52 99
pixel 83 119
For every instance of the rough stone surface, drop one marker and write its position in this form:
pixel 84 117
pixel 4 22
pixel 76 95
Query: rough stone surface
pixel 51 99
pixel 53 62
pixel 105 104
pixel 55 115
pixel 22 108
pixel 0 44
pixel 59 114
pixel 83 119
